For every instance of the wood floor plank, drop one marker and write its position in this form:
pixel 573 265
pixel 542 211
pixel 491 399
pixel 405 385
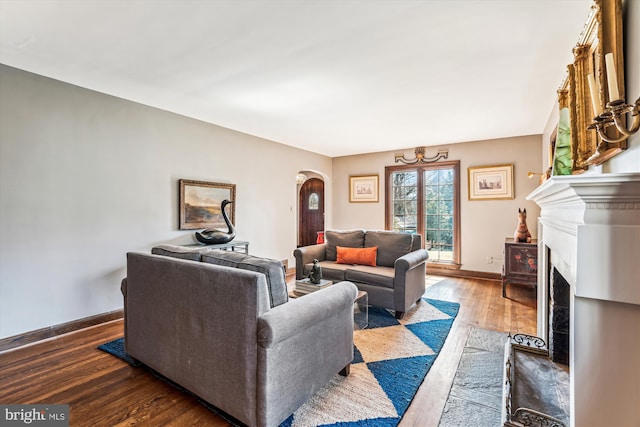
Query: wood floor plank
pixel 105 391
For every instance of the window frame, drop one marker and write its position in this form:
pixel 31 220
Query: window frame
pixel 420 168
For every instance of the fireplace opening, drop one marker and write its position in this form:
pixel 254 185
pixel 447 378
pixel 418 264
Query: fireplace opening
pixel 559 315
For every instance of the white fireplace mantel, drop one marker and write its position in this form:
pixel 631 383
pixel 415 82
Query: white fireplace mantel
pixel 591 224
pixel 589 230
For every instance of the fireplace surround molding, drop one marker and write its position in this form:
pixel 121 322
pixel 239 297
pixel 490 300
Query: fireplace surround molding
pixel 589 230
pixel 591 225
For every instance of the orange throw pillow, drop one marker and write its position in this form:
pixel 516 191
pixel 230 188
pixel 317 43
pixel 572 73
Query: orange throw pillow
pixel 361 256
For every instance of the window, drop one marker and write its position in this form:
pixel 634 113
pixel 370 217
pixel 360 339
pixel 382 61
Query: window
pixel 314 202
pixel 425 199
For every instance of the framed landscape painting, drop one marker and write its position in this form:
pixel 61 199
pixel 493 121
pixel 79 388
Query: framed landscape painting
pixel 200 204
pixel 363 188
pixel 491 182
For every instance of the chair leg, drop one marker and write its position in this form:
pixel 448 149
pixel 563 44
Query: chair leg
pixel 399 314
pixel 346 370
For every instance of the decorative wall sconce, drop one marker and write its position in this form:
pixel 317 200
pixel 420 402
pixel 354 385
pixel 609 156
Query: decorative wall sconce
pixel 543 175
pixel 420 158
pixel 615 114
pixel 301 178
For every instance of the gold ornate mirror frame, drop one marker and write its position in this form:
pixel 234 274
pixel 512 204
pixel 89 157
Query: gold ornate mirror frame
pixel 602 34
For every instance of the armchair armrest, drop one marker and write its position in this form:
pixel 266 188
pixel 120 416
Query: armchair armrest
pixel 301 314
pixel 306 255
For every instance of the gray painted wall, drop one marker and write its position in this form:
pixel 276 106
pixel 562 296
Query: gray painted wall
pixel 86 177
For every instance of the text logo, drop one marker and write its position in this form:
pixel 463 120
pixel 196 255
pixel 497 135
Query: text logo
pixel 34 415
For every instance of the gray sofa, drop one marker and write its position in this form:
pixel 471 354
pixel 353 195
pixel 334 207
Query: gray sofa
pixel 396 282
pixel 220 325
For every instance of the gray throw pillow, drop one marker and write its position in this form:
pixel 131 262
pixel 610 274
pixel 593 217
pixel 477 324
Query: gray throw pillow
pixel 224 258
pixel 347 239
pixel 271 268
pixel 391 245
pixel 182 252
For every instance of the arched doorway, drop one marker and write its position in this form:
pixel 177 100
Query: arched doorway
pixel 310 211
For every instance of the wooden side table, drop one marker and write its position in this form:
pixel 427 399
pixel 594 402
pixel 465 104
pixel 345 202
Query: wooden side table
pixel 520 263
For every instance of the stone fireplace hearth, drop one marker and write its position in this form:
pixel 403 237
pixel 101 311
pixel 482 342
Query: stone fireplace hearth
pixel 589 237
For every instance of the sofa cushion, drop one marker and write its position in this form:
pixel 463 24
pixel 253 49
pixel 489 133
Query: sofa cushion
pixel 225 258
pixel 330 270
pixel 182 252
pixel 349 239
pixel 358 256
pixel 416 242
pixel 271 268
pixel 378 276
pixel 391 245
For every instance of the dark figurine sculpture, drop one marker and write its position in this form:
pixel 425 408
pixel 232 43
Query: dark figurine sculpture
pixel 316 273
pixel 212 236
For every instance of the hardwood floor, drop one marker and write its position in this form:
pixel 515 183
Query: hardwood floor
pixel 105 391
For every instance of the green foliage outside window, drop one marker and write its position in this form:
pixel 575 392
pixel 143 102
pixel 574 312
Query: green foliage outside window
pixel 437 207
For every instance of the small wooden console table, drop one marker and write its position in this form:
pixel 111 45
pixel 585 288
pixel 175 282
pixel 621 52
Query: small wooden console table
pixel 520 263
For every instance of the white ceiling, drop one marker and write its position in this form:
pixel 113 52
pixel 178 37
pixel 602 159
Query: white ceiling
pixel 330 76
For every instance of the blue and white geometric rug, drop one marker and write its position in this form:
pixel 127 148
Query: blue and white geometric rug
pixel 392 358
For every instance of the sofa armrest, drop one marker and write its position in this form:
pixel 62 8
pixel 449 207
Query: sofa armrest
pixel 300 314
pixel 409 278
pixel 306 255
pixel 411 260
pixel 302 345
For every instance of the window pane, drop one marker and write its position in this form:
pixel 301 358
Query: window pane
pixel 411 207
pixel 445 207
pixel 446 192
pixel 405 204
pixel 314 201
pixel 446 222
pixel 432 222
pixel 446 238
pixel 431 177
pixel 411 178
pixel 411 193
pixel 398 207
pixel 439 219
pixel 445 176
pixel 430 192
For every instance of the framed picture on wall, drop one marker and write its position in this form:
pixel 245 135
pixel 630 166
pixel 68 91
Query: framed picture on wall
pixel 200 204
pixel 491 182
pixel 363 188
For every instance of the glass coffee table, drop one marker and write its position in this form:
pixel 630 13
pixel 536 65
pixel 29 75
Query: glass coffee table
pixel 361 311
